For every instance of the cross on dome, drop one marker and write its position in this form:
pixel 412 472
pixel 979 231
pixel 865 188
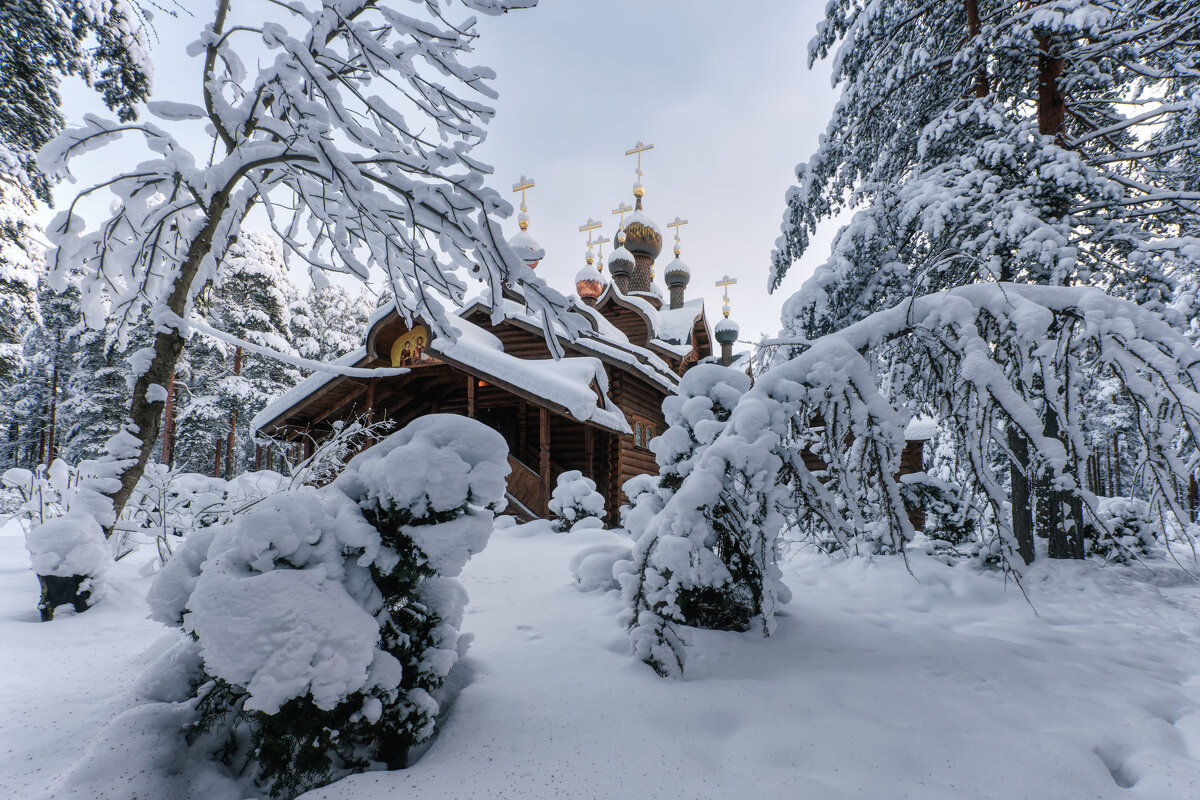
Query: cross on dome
pixel 724 284
pixel 522 186
pixel 677 223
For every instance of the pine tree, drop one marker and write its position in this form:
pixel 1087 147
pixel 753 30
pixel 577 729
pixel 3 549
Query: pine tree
pixel 20 261
pixel 985 141
pixel 102 41
pixel 330 322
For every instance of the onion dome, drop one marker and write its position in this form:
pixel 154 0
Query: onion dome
pixel 589 284
pixel 677 273
pixel 726 331
pixel 620 262
pixel 642 235
pixel 527 248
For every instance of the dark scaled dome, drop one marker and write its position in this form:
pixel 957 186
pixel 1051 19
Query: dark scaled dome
pixel 726 331
pixel 642 236
pixel 677 273
pixel 620 262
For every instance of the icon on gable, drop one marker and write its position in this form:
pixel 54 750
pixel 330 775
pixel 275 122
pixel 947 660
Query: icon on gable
pixel 410 349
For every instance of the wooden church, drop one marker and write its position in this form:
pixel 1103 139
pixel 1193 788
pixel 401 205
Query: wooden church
pixel 595 410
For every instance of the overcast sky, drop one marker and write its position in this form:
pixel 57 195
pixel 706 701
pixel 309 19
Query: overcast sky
pixel 721 89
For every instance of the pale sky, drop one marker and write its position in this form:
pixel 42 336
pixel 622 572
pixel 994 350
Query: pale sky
pixel 721 89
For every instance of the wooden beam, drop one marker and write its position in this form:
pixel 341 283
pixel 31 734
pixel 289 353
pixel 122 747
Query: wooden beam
pixel 589 449
pixel 471 396
pixel 544 456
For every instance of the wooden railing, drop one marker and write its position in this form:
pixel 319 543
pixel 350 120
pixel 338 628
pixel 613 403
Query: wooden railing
pixel 525 485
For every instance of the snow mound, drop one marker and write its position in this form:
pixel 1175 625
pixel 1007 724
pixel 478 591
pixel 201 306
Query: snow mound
pixel 72 544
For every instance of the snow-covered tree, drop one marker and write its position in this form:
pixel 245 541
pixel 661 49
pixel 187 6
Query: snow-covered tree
pixel 327 619
pixel 976 348
pixel 992 141
pixel 94 396
pixel 41 41
pixel 330 322
pixel 251 299
pixel 575 501
pixel 355 135
pixel 20 261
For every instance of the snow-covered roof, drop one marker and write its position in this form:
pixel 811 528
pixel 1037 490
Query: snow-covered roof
pixel 306 387
pixel 920 429
pixel 566 382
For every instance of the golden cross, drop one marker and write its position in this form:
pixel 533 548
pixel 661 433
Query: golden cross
pixel 589 226
pixel 521 186
pixel 623 209
pixel 725 283
pixel 638 149
pixel 603 240
pixel 677 223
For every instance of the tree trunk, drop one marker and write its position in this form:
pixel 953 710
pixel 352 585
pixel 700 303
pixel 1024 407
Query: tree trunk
pixel 233 417
pixel 1022 510
pixel 973 28
pixel 145 416
pixel 168 451
pixel 52 450
pixel 1051 107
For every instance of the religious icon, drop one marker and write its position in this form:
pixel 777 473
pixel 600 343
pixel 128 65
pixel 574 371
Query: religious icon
pixel 409 348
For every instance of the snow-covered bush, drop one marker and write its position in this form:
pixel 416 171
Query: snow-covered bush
pixel 69 555
pixel 326 619
pixel 713 568
pixel 61 510
pixel 594 567
pixel 1124 532
pixel 575 501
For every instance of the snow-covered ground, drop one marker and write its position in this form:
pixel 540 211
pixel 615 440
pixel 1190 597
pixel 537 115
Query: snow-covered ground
pixel 878 684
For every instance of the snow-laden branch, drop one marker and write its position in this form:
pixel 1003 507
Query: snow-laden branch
pixel 992 358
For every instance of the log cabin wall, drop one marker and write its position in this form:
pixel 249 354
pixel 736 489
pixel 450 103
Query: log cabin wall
pixel 642 404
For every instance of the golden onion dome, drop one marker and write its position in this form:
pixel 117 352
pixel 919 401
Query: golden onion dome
pixel 642 235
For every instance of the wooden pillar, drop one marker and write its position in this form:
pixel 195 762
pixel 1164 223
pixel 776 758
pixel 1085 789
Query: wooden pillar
pixel 258 457
pixel 589 451
pixel 371 401
pixel 471 396
pixel 544 456
pixel 522 430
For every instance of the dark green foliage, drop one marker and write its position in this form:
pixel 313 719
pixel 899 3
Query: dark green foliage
pixel 43 40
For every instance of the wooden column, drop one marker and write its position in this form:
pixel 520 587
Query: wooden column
pixel 471 396
pixel 589 451
pixel 522 430
pixel 544 456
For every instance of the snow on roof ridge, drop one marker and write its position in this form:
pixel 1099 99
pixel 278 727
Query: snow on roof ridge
pixel 565 382
pixel 303 389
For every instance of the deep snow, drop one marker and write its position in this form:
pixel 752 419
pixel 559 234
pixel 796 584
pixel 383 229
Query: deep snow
pixel 876 685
